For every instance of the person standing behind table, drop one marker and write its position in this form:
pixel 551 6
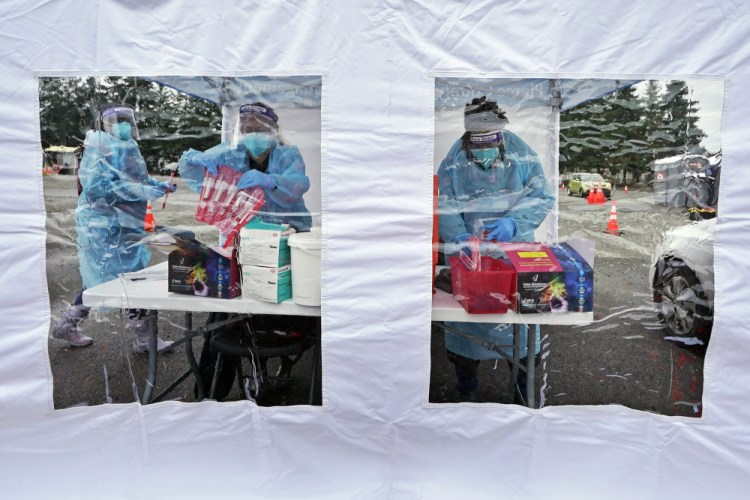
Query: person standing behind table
pixel 490 182
pixel 267 162
pixel 115 188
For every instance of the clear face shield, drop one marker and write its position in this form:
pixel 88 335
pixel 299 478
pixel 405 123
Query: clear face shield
pixel 486 148
pixel 256 130
pixel 119 122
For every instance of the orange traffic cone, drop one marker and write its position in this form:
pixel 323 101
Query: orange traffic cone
pixel 591 198
pixel 612 227
pixel 626 189
pixel 149 224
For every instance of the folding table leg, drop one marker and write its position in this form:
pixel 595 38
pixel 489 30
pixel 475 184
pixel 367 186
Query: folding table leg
pixel 510 396
pixel 530 366
pixel 194 368
pixel 152 319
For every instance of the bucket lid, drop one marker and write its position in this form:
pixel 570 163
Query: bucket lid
pixel 307 240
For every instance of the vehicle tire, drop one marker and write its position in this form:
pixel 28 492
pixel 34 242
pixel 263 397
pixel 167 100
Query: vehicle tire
pixel 683 304
pixel 570 192
pixel 580 193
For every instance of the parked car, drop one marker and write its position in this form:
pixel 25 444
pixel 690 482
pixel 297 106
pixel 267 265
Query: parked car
pixel 682 278
pixel 168 168
pixel 582 183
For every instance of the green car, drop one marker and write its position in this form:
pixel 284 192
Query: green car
pixel 582 183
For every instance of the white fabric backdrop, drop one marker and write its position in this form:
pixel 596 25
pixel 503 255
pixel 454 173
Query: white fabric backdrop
pixel 374 438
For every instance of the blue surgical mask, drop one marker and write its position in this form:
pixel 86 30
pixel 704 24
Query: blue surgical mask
pixel 485 157
pixel 121 131
pixel 257 143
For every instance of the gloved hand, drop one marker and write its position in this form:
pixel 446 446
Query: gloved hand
pixel 153 192
pixel 205 160
pixel 502 229
pixel 254 177
pixel 168 187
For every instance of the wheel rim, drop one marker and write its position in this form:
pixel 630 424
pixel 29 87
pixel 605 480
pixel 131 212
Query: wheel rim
pixel 679 305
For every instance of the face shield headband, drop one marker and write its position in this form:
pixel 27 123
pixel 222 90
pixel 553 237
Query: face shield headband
pixel 255 117
pixel 485 139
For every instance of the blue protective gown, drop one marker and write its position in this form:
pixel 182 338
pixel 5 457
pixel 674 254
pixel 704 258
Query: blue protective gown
pixel 111 208
pixel 284 204
pixel 516 188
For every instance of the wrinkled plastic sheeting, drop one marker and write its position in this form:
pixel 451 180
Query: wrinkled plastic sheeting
pixel 100 227
pixel 620 130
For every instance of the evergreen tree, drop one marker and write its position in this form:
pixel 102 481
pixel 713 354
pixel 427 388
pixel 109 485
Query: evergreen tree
pixel 679 129
pixel 630 155
pixel 604 135
pixel 169 122
pixel 627 130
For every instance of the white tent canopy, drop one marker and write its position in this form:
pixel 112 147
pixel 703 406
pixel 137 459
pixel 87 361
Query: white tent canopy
pixel 375 437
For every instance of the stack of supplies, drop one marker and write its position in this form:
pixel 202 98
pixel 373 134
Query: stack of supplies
pixel 264 257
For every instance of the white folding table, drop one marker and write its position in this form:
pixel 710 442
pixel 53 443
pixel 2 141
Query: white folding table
pixel 446 308
pixel 152 294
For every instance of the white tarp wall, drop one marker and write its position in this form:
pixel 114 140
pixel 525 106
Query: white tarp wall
pixel 374 436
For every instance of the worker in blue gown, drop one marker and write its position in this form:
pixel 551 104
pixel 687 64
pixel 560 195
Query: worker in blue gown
pixel 114 190
pixel 265 160
pixel 491 185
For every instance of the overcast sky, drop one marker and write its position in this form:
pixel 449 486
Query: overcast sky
pixel 710 95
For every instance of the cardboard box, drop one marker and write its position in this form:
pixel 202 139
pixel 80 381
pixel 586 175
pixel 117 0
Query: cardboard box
pixel 551 278
pixel 205 272
pixel 264 244
pixel 267 284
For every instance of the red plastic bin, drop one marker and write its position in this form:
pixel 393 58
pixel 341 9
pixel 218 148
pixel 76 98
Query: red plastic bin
pixel 489 290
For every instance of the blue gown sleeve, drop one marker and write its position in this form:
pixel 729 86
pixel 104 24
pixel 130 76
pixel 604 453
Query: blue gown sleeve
pixel 288 169
pixel 102 172
pixel 192 171
pixel 450 220
pixel 537 199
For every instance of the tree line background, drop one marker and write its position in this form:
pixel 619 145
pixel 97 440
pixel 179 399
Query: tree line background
pixel 623 132
pixel 169 122
pixel 626 131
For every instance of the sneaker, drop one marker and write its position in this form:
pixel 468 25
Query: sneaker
pixel 67 329
pixel 141 347
pixel 142 336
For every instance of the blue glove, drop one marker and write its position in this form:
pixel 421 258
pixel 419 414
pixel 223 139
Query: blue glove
pixel 204 160
pixel 153 192
pixel 168 187
pixel 254 177
pixel 502 229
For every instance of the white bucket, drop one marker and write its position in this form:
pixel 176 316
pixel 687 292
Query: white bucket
pixel 305 249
